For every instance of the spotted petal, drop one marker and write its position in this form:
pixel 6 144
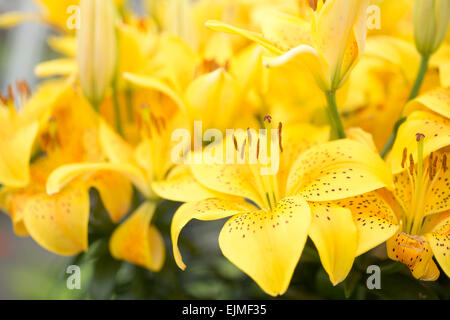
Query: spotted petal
pixel 439 239
pixel 209 209
pixel 67 173
pixel 137 241
pixel 267 245
pixel 236 180
pixel 373 217
pixel 335 237
pixel 337 170
pixel 15 155
pixel 59 223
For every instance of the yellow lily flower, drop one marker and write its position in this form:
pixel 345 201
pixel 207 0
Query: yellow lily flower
pixel 147 166
pixel 96 48
pixel 318 191
pixel 19 127
pixel 59 222
pixel 326 46
pixel 419 163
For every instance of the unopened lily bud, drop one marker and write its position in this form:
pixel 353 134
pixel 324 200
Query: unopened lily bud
pixel 431 19
pixel 97 48
pixel 179 21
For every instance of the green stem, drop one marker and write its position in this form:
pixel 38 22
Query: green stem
pixel 336 122
pixel 129 104
pixel 117 110
pixel 414 92
pixel 420 76
pixel 392 138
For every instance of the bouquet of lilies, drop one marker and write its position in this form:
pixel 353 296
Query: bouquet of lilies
pixel 317 129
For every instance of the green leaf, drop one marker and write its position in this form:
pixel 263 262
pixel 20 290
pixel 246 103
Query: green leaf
pixel 103 279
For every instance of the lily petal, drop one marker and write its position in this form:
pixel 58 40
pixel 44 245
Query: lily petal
pixel 15 155
pixel 12 19
pixel 65 174
pixel 437 135
pixel 137 241
pixel 337 170
pixel 437 100
pixel 267 245
pixel 58 67
pixel 155 84
pixel 114 147
pixel 415 252
pixel 180 185
pixel 115 191
pixel 59 223
pixel 373 217
pixel 206 210
pixel 253 36
pixel 335 237
pixel 284 30
pixel 439 239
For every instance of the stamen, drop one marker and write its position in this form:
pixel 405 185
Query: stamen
pixel 430 166
pixel 10 93
pixel 257 150
pixel 405 155
pixel 444 162
pixel 235 143
pixel 249 134
pixel 280 127
pixel 411 164
pixel 243 149
pixel 3 99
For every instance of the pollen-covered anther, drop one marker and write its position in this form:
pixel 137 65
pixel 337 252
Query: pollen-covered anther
pixel 411 164
pixel 49 139
pixel 405 155
pixel 23 88
pixel 280 142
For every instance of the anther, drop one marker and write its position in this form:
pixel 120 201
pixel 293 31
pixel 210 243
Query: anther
pixel 3 99
pixel 10 93
pixel 257 150
pixel 280 127
pixel 411 164
pixel 243 150
pixel 235 143
pixel 405 155
pixel 444 162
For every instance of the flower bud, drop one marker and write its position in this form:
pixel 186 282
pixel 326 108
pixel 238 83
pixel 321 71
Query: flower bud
pixel 179 21
pixel 96 48
pixel 431 18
